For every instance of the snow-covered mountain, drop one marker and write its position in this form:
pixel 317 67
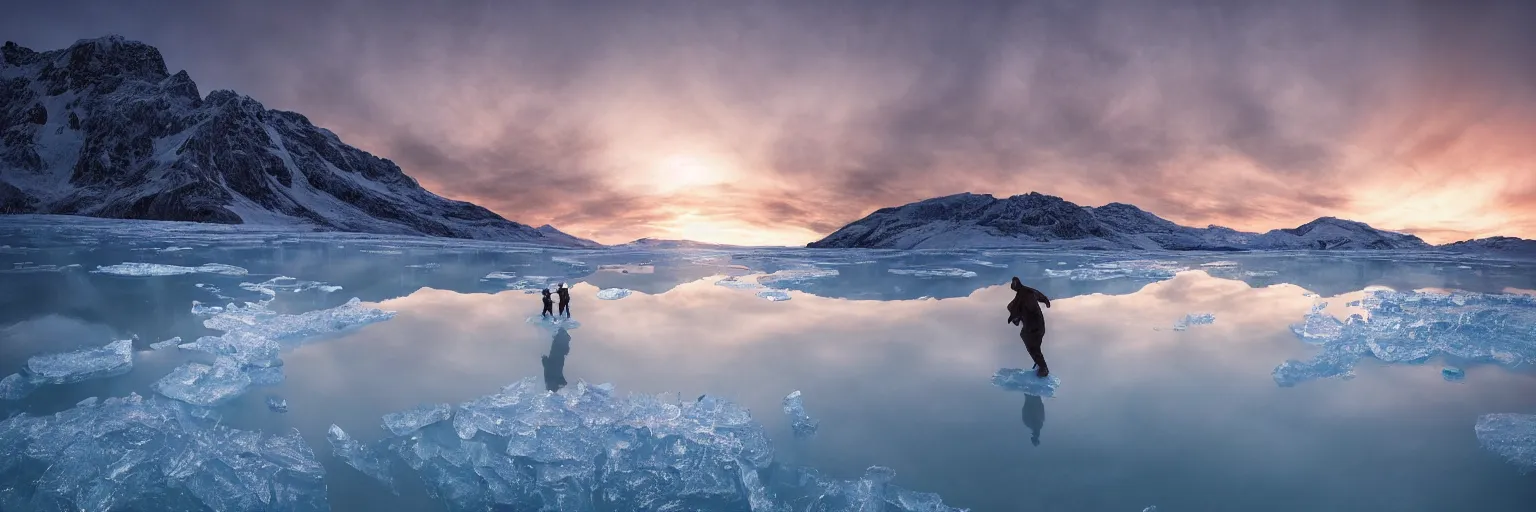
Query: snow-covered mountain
pixel 1506 245
pixel 977 220
pixel 102 129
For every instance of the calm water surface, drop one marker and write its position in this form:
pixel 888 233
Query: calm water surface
pixel 896 367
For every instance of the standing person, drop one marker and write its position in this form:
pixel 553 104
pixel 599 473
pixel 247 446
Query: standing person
pixel 549 305
pixel 565 300
pixel 1024 311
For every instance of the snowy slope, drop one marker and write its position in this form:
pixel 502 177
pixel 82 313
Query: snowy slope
pixel 1502 245
pixel 102 129
pixel 982 221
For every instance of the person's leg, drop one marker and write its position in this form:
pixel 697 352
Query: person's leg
pixel 1032 341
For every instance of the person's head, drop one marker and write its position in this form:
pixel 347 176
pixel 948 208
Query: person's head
pixel 1035 439
pixel 546 292
pixel 1016 280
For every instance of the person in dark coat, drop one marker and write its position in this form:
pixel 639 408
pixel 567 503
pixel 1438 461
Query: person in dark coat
pixel 549 305
pixel 1024 311
pixel 565 300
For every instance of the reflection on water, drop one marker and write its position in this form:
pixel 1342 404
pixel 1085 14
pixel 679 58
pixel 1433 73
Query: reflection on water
pixel 554 363
pixel 1034 417
pixel 1186 420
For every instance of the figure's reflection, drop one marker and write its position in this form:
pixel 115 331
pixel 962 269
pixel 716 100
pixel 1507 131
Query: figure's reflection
pixel 554 363
pixel 1034 417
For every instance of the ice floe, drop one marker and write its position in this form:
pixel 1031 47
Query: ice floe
pixel 1133 269
pixel 156 269
pixel 1511 436
pixel 1453 374
pixel 931 272
pixel 613 293
pixel 170 343
pixel 116 358
pixel 737 283
pixel 204 385
pixel 1413 327
pixel 1017 379
pixel 790 277
pixel 277 404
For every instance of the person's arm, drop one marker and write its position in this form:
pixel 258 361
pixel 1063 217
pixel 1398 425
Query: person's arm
pixel 1042 298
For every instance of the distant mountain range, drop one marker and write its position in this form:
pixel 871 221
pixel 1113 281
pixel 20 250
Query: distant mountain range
pixel 102 129
pixel 982 221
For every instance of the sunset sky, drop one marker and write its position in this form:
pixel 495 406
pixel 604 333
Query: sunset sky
pixel 778 122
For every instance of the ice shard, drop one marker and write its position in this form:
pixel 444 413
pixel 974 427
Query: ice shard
pixel 204 385
pixel 800 423
pixel 405 422
pixel 773 295
pixel 1194 319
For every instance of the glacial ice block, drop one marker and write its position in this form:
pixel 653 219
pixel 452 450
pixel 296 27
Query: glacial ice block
pixel 132 453
pixel 1025 380
pixel 584 448
pixel 1413 327
pixel 116 358
pixel 1511 436
pixel 1194 319
pixel 799 421
pixel 613 293
pixel 405 422
pixel 204 385
pixel 361 457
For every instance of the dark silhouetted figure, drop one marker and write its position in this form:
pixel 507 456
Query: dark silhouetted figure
pixel 554 363
pixel 1034 417
pixel 565 300
pixel 1025 311
pixel 549 305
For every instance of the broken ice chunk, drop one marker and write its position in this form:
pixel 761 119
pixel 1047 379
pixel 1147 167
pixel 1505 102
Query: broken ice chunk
pixel 1025 380
pixel 799 422
pixel 613 293
pixel 205 385
pixel 1194 319
pixel 115 358
pixel 1452 373
pixel 359 456
pixel 162 345
pixel 773 295
pixel 17 386
pixel 501 275
pixel 277 403
pixel 405 422
pixel 1511 436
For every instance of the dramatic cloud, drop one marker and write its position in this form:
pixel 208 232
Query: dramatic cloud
pixel 777 122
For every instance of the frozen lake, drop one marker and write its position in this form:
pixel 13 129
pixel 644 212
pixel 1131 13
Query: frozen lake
pixel 893 353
